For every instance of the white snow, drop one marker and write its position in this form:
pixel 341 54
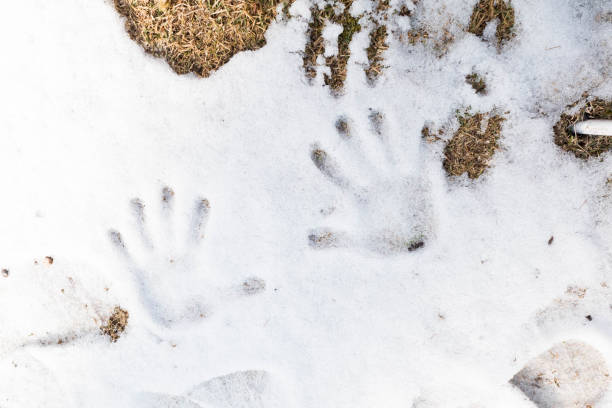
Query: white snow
pixel 89 122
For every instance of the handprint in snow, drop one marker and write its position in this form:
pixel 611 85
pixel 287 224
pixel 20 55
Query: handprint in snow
pixel 171 275
pixel 390 201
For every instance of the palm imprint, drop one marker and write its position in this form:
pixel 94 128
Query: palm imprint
pixel 389 200
pixel 174 283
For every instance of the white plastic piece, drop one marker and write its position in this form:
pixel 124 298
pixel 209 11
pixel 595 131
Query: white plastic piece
pixel 595 127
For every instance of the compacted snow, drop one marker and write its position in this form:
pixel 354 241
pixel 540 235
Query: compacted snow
pixel 193 204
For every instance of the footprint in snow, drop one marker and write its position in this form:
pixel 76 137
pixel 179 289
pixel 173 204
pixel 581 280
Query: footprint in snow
pixel 570 374
pixel 241 389
pixel 171 275
pixel 391 203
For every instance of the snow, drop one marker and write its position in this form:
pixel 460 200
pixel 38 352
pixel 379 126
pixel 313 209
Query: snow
pixel 90 122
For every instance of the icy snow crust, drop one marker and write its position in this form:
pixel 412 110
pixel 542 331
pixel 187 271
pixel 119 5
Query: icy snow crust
pixel 90 122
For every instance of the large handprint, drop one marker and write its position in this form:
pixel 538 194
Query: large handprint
pixel 392 203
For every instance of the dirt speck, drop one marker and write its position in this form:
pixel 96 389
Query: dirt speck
pixel 413 246
pixel 322 239
pixel 343 127
pixel 252 286
pixel 116 324
pixel 477 82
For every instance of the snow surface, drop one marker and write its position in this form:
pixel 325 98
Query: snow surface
pixel 90 122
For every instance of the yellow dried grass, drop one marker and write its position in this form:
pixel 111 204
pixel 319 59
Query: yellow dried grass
pixel 198 35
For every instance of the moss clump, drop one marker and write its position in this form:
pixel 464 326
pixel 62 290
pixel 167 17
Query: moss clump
pixel 486 11
pixel 584 146
pixel 471 149
pixel 198 35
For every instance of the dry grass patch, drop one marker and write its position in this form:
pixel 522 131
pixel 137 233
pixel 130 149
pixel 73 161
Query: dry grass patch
pixel 471 148
pixel 584 146
pixel 404 11
pixel 116 324
pixel 337 63
pixel 378 45
pixel 315 45
pixel 486 11
pixel 477 82
pixel 198 35
pixel 415 36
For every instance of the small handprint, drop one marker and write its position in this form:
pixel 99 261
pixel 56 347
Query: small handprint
pixel 173 282
pixel 392 206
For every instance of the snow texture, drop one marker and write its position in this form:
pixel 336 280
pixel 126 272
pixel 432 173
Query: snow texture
pixel 90 122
